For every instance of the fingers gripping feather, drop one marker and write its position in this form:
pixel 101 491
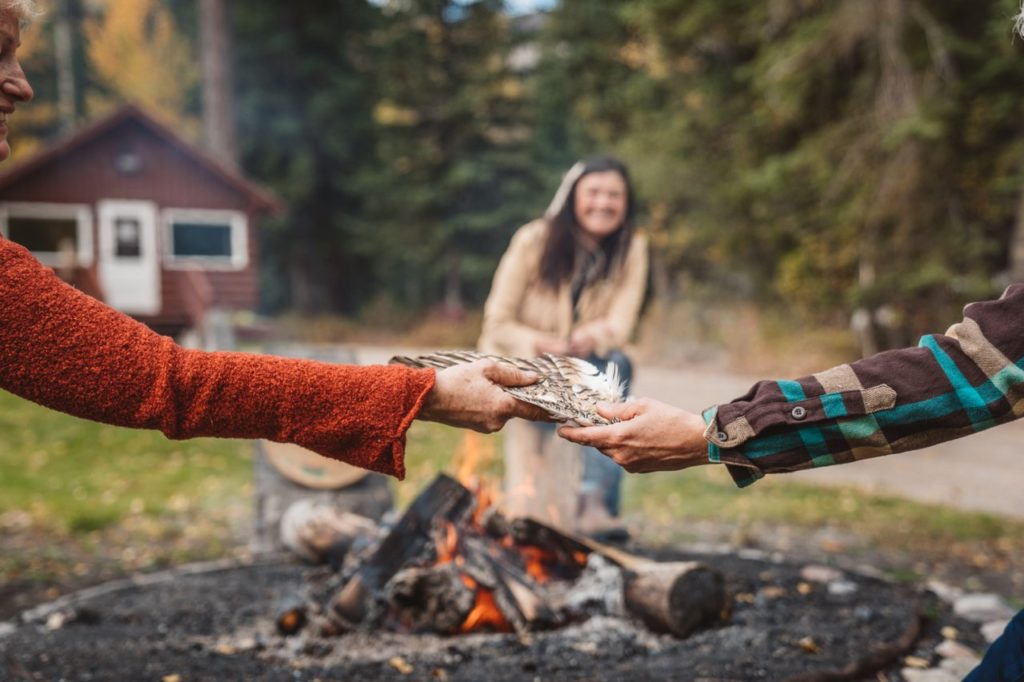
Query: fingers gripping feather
pixel 568 388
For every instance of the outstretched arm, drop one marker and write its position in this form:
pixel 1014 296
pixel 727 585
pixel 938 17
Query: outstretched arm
pixel 652 436
pixel 67 351
pixel 954 384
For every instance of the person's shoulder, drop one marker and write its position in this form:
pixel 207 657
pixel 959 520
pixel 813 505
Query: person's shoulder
pixel 531 234
pixel 535 229
pixel 640 239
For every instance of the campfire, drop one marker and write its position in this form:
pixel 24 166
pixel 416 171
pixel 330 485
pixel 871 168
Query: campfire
pixel 453 589
pixel 453 563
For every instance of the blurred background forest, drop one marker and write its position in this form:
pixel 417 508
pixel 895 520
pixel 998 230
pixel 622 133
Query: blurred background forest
pixel 836 160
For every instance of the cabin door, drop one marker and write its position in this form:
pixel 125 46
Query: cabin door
pixel 129 265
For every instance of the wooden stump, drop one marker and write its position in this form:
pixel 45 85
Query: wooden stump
pixel 676 597
pixel 371 497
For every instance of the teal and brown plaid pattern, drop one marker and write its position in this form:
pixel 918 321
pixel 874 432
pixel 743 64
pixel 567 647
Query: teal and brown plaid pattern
pixel 951 385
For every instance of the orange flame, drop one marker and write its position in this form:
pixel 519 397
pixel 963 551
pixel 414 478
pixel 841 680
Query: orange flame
pixel 485 613
pixel 448 545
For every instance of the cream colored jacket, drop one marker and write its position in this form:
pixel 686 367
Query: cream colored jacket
pixel 521 309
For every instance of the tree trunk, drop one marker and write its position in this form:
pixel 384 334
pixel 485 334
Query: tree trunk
pixel 218 80
pixel 64 50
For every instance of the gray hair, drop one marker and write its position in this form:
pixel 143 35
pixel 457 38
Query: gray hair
pixel 23 10
pixel 1018 21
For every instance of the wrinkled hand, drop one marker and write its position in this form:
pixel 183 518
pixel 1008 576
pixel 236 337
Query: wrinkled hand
pixel 652 436
pixel 582 343
pixel 553 345
pixel 470 396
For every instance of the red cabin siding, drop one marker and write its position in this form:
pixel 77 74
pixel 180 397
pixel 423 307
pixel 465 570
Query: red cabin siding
pixel 169 173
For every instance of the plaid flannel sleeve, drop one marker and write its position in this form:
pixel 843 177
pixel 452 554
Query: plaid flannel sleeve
pixel 954 384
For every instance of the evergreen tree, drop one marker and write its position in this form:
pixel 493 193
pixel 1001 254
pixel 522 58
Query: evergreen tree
pixel 305 98
pixel 456 176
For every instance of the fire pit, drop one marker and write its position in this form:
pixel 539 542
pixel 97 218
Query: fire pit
pixel 416 605
pixel 212 623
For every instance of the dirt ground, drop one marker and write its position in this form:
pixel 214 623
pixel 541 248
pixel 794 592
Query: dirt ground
pixel 217 624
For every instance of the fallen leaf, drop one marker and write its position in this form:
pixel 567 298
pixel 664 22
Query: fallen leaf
pixel 915 662
pixel 950 632
pixel 809 645
pixel 401 665
pixel 171 678
pixel 804 588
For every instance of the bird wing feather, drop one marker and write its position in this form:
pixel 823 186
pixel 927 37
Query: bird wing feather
pixel 568 389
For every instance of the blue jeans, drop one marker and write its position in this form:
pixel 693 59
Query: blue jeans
pixel 600 473
pixel 1004 660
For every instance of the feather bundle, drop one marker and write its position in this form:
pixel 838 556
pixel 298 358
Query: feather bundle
pixel 568 388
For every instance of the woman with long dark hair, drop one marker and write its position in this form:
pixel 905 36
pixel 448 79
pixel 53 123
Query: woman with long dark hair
pixel 570 283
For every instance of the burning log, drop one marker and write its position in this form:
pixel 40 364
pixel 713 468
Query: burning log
pixel 432 599
pixel 676 597
pixel 444 569
pixel 291 615
pixel 519 597
pixel 444 500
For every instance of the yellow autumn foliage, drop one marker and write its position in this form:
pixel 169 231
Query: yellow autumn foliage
pixel 140 56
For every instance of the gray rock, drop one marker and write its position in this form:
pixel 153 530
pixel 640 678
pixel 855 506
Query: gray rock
pixel 959 667
pixel 952 649
pixel 842 588
pixel 947 593
pixel 928 675
pixel 820 574
pixel 991 630
pixel 982 608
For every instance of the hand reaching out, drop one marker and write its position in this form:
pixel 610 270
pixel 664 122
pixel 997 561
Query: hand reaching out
pixel 470 396
pixel 652 436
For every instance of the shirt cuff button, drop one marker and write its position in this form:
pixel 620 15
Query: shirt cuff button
pixel 799 412
pixel 722 436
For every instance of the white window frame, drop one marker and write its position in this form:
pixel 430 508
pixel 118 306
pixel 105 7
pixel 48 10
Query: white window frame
pixel 80 213
pixel 238 222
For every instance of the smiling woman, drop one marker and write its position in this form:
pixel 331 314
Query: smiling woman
pixel 570 283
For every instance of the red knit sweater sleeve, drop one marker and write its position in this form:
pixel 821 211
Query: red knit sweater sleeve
pixel 67 351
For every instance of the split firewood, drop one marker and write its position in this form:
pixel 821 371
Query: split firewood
pixel 527 606
pixel 675 597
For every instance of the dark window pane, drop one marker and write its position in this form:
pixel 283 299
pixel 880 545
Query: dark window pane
pixel 202 239
pixel 127 238
pixel 42 234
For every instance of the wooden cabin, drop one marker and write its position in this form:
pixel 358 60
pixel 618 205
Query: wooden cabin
pixel 133 214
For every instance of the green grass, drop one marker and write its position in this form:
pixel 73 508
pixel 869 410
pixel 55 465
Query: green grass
pixel 91 492
pixel 76 476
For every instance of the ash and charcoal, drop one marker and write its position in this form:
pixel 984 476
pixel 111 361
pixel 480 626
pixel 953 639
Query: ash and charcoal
pixel 787 623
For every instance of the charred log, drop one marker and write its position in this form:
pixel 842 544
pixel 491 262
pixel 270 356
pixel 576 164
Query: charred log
pixel 445 500
pixel 433 599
